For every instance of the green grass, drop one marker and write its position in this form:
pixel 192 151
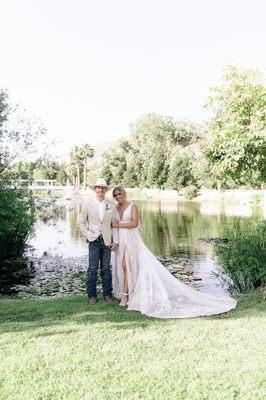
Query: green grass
pixel 69 350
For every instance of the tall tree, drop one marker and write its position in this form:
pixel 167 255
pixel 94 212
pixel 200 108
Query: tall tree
pixel 17 132
pixel 78 159
pixel 237 149
pixel 87 152
pixel 152 137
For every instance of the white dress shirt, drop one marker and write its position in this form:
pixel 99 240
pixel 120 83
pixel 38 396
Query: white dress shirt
pixel 101 208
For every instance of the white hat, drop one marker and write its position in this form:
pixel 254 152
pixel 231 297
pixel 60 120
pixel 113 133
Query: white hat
pixel 100 182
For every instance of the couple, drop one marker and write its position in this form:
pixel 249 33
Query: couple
pixel 140 281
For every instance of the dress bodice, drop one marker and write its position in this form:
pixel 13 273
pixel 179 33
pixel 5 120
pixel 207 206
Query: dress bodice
pixel 126 215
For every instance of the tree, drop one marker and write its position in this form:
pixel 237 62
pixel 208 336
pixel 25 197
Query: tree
pixel 61 175
pixel 114 162
pixel 16 221
pixel 16 215
pixel 237 146
pixel 87 152
pixel 45 169
pixel 152 137
pixel 71 172
pixel 78 159
pixel 17 133
pixel 181 169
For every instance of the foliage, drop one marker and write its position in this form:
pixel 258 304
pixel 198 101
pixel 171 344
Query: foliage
pixel 61 175
pixel 145 158
pixel 78 161
pixel 114 162
pixel 17 132
pixel 22 170
pixel 181 169
pixel 237 147
pixel 200 170
pixel 45 169
pixel 190 192
pixel 16 221
pixel 243 258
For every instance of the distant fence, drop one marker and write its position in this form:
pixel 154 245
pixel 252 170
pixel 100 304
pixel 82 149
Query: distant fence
pixel 32 184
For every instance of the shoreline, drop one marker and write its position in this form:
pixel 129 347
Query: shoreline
pixel 238 196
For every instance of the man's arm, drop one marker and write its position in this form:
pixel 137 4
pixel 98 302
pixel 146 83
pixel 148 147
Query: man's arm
pixel 82 219
pixel 115 237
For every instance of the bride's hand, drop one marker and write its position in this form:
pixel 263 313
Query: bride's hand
pixel 115 224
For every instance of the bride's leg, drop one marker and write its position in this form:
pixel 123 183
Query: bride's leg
pixel 124 299
pixel 124 266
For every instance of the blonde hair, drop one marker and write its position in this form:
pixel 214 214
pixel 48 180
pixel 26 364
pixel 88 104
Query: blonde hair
pixel 121 190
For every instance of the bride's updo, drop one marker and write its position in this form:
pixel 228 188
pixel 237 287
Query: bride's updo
pixel 120 189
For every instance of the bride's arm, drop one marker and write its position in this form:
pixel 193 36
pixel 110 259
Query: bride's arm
pixel 134 220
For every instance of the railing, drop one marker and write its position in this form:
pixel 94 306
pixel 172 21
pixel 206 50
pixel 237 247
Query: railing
pixel 32 184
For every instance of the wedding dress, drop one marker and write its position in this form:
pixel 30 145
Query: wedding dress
pixel 153 290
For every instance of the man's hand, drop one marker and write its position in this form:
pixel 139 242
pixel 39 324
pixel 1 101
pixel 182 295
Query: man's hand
pixel 114 246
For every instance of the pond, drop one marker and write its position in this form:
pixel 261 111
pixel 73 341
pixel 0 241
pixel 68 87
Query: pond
pixel 169 228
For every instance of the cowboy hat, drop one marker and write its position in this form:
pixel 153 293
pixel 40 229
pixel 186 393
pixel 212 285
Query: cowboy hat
pixel 101 182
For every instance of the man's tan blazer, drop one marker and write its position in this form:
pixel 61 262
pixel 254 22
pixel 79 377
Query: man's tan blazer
pixel 92 227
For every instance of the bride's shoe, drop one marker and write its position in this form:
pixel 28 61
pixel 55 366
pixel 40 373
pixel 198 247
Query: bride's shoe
pixel 124 300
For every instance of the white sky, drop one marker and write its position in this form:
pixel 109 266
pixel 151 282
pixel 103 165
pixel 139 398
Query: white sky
pixel 89 68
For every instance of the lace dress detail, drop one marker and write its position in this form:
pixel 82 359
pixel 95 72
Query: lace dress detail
pixel 153 290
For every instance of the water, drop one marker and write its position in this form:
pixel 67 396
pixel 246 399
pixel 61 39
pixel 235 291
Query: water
pixel 168 228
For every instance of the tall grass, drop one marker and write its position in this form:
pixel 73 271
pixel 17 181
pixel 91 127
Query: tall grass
pixel 16 221
pixel 243 258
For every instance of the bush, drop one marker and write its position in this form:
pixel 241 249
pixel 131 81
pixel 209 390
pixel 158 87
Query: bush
pixel 190 192
pixel 16 221
pixel 180 172
pixel 243 258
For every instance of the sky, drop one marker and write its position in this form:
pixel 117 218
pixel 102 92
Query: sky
pixel 89 68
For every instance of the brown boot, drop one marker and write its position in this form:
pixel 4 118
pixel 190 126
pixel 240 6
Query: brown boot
pixel 108 299
pixel 92 300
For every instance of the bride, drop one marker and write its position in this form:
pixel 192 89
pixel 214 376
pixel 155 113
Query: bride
pixel 142 283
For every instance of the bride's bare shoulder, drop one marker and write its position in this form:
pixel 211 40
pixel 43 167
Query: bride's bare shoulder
pixel 134 206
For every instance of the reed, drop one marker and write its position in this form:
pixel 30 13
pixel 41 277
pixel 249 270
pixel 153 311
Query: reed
pixel 243 257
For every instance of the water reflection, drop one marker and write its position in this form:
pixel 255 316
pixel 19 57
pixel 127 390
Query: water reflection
pixel 168 228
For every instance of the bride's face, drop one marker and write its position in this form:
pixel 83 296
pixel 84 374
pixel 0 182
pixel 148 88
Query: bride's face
pixel 119 196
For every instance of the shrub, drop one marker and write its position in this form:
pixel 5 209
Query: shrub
pixel 180 172
pixel 190 192
pixel 16 221
pixel 243 258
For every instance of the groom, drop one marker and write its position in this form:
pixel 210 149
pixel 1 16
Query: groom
pixel 95 222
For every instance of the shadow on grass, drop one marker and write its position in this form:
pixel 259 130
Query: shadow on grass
pixel 22 315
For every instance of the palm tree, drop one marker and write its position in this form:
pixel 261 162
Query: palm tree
pixel 79 157
pixel 88 152
pixel 76 161
pixel 70 170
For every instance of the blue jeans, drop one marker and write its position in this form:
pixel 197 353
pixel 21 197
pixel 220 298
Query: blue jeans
pixel 99 253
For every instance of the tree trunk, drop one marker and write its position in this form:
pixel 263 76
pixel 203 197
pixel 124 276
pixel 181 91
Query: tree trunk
pixel 78 177
pixel 85 175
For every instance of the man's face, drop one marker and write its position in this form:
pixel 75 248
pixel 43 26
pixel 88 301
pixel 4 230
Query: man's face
pixel 100 192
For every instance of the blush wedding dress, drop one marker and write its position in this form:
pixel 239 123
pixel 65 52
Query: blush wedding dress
pixel 153 290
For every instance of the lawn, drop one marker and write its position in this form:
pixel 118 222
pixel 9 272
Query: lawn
pixel 67 349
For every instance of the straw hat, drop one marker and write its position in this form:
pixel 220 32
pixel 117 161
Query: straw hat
pixel 100 182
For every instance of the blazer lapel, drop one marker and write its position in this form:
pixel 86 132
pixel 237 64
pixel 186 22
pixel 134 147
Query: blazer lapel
pixel 96 210
pixel 107 209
